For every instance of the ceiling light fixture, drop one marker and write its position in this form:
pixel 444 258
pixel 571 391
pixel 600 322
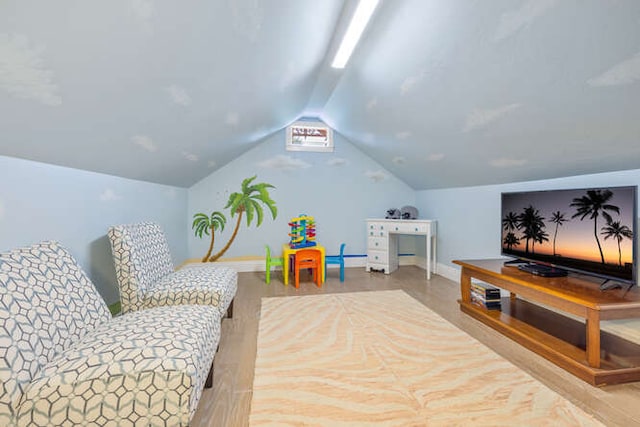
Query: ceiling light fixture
pixel 356 27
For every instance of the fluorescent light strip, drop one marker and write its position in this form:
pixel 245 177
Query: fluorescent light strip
pixel 356 27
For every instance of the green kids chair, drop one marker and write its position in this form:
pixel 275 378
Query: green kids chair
pixel 271 262
pixel 336 259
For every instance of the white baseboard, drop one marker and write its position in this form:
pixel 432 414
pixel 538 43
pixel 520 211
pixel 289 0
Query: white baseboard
pixel 352 262
pixel 240 265
pixel 443 270
pixel 410 260
pixel 244 266
pixel 257 265
pixel 449 272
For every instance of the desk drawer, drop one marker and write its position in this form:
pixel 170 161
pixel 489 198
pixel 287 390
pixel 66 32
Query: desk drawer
pixel 377 233
pixel 377 243
pixel 377 257
pixel 377 226
pixel 409 228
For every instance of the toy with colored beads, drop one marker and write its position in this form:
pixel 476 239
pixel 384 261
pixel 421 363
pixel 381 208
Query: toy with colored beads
pixel 303 232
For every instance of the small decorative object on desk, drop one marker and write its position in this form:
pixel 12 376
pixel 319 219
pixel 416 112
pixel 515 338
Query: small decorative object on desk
pixel 409 212
pixel 303 232
pixel 485 295
pixel 393 213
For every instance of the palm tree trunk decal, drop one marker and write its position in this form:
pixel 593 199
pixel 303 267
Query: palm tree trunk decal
pixel 208 254
pixel 233 236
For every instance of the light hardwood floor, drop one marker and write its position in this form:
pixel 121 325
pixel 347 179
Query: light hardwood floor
pixel 227 404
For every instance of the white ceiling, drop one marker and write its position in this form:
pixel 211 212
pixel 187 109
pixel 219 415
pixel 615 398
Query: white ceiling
pixel 443 93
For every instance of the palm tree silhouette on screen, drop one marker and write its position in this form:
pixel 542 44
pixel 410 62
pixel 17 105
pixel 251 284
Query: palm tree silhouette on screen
pixel 619 232
pixel 510 222
pixel 532 224
pixel 539 236
pixel 558 219
pixel 511 240
pixel 594 204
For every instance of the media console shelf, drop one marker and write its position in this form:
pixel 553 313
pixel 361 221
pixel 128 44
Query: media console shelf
pixel 581 348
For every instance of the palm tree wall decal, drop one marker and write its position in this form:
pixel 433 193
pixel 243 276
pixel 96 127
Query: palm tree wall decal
pixel 616 230
pixel 594 204
pixel 203 223
pixel 558 219
pixel 248 201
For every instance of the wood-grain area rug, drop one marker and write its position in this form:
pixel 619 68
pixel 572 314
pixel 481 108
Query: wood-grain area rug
pixel 384 359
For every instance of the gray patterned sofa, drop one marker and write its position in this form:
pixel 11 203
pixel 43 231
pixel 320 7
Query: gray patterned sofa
pixel 65 361
pixel 146 275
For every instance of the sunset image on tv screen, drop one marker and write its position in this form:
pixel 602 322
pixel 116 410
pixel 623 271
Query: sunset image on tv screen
pixel 588 229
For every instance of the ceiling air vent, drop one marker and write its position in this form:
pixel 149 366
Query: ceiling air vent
pixel 309 136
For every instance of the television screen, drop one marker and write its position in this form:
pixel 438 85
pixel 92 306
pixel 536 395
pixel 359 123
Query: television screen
pixel 588 230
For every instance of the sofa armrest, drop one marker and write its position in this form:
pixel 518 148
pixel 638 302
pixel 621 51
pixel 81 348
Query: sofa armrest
pixel 148 367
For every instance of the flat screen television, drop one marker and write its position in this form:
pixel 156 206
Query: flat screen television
pixel 590 230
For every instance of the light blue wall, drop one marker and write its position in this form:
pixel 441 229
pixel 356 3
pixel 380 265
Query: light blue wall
pixel 469 218
pixel 44 202
pixel 340 189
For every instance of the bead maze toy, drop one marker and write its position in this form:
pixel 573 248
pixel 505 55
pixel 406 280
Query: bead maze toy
pixel 303 232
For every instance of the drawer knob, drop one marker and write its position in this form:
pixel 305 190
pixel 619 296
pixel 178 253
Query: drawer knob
pixel 376 243
pixel 416 228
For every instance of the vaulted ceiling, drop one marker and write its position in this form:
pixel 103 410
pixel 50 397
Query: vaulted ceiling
pixel 442 93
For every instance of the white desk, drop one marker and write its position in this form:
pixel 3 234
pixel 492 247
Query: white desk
pixel 382 242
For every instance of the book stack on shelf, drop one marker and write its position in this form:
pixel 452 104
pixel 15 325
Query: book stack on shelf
pixel 485 295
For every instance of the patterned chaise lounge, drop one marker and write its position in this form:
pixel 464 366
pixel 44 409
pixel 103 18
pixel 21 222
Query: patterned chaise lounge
pixel 65 361
pixel 146 275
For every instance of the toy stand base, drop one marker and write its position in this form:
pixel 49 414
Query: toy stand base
pixel 302 245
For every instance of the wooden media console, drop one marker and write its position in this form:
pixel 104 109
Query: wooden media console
pixel 579 347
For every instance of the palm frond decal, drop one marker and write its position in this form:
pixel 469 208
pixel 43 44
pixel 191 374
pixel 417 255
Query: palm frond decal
pixel 202 223
pixel 248 201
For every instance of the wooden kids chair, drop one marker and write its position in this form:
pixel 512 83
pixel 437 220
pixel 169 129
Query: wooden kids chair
pixel 271 262
pixel 336 259
pixel 308 258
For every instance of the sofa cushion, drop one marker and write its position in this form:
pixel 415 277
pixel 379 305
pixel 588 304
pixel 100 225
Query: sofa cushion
pixel 47 303
pixel 212 285
pixel 146 368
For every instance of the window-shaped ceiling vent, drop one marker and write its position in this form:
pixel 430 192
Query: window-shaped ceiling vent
pixel 309 136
